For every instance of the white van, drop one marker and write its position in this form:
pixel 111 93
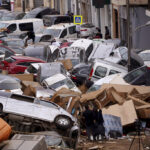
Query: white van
pixel 62 31
pixel 35 25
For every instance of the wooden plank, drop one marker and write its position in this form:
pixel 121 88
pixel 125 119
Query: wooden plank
pixel 142 107
pixel 137 101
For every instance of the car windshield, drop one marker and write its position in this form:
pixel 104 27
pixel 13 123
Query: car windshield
pixel 9 84
pixel 94 88
pixel 10 60
pixel 134 74
pixel 3 25
pixel 7 18
pixel 54 32
pixel 123 53
pixel 66 82
pixel 145 56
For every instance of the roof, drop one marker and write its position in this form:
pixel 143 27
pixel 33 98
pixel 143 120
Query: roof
pixel 145 51
pixel 82 43
pixel 26 58
pixel 61 26
pixel 110 64
pixel 21 21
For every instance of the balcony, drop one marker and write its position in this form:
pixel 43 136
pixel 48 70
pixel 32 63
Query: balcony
pixel 132 2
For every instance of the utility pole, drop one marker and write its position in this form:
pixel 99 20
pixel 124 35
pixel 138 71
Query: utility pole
pixel 23 6
pixel 77 7
pixel 128 33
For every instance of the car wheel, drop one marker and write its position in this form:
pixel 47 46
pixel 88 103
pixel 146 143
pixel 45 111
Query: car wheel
pixel 62 122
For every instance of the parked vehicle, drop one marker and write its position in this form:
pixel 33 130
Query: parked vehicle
pixel 39 12
pixel 50 20
pixel 108 79
pixel 85 44
pixel 12 16
pixel 23 113
pixel 103 68
pixel 138 76
pixel 75 54
pixel 16 26
pixel 40 50
pixel 80 73
pixel 18 64
pixel 88 30
pixel 145 55
pixel 47 70
pixel 122 53
pixel 62 31
pixel 59 81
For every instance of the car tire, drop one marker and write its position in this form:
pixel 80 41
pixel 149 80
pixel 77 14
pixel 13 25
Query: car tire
pixel 63 122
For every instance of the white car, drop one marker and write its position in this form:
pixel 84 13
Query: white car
pixel 88 30
pixel 59 81
pixel 114 79
pixel 24 111
pixel 62 31
pixel 102 68
pixel 145 55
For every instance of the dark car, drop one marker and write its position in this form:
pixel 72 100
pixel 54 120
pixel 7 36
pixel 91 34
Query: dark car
pixel 40 12
pixel 12 16
pixel 56 19
pixel 80 73
pixel 140 76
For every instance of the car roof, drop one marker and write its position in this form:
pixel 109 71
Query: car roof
pixel 26 58
pixel 38 9
pixel 145 51
pixel 21 21
pixel 82 42
pixel 61 26
pixel 110 64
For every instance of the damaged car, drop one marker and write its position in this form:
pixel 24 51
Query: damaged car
pixel 59 81
pixel 23 113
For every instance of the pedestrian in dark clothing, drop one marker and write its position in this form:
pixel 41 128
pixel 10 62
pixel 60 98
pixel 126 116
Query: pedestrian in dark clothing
pixel 31 35
pixel 98 124
pixel 88 116
pixel 107 34
pixel 99 34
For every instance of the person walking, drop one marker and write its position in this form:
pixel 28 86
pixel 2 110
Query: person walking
pixel 88 117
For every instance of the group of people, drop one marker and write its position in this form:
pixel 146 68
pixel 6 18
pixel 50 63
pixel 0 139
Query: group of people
pixel 94 123
pixel 107 34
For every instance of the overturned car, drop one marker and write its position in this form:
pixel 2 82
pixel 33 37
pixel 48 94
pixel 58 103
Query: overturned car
pixel 28 114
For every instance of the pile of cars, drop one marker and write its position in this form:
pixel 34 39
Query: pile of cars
pixel 57 59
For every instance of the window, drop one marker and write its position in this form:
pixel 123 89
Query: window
pixel 24 64
pixel 135 74
pixel 64 33
pixel 10 60
pixel 89 50
pixel 12 27
pixel 113 72
pixel 101 71
pixel 26 26
pixel 72 30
